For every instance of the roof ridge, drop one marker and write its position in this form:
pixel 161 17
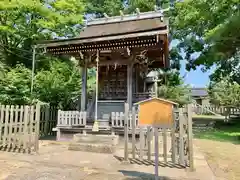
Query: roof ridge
pixel 128 17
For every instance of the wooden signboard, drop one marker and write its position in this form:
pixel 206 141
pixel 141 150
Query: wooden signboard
pixel 156 112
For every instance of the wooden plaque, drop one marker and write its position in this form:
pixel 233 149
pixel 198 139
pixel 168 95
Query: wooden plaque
pixel 156 112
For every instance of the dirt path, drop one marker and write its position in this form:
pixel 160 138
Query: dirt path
pixel 55 162
pixel 223 158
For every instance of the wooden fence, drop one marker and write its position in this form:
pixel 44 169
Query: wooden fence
pixel 19 127
pixel 215 110
pixel 175 144
pixel 118 118
pixel 71 118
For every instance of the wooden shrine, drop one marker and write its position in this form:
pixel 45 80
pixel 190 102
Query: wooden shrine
pixel 127 48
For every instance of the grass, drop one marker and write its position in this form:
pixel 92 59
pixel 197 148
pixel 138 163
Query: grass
pixel 222 131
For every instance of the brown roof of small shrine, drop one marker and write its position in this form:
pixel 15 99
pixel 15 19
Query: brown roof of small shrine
pixel 115 28
pixel 135 32
pixel 124 27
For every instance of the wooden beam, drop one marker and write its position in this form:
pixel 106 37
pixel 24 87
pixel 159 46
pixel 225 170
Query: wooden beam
pixel 112 62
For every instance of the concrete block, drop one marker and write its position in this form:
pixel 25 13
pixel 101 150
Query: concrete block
pixel 94 143
pixel 95 138
pixel 97 148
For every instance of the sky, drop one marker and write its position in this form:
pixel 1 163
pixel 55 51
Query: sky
pixel 195 78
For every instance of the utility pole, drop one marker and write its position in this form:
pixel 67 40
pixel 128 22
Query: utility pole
pixel 33 68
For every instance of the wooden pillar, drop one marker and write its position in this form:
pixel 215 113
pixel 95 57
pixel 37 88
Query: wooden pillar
pixel 130 84
pixel 84 88
pixel 190 138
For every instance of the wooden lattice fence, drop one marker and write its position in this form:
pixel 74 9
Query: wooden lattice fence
pixel 19 127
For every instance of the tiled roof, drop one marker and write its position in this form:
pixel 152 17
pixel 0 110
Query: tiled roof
pixel 199 92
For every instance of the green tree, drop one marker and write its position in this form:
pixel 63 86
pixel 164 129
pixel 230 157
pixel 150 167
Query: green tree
pixel 230 68
pixel 99 7
pixel 178 93
pixel 210 28
pixel 172 87
pixel 22 22
pixel 225 93
pixel 59 85
pixel 15 86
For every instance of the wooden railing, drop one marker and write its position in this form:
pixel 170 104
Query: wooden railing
pixel 215 110
pixel 117 119
pixel 71 118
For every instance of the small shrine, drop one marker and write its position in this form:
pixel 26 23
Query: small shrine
pixel 123 49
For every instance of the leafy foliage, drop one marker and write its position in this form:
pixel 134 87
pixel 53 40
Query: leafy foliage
pixel 59 85
pixel 225 93
pixel 210 28
pixel 172 87
pixel 98 7
pixel 56 86
pixel 230 68
pixel 15 86
pixel 179 94
pixel 25 21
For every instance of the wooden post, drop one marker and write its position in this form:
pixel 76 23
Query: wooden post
pixel 21 121
pixel 156 152
pixel 25 128
pixel 165 144
pixel 173 137
pixel 149 143
pixel 190 138
pixel 84 88
pixel 181 137
pixel 31 121
pixel 95 125
pixel 133 133
pixel 126 131
pixel 10 126
pixel 141 143
pixel 5 136
pixel 129 84
pixel 1 122
pixel 15 125
pixel 37 121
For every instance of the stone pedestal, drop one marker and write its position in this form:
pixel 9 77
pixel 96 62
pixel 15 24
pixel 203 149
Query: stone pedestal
pixel 94 143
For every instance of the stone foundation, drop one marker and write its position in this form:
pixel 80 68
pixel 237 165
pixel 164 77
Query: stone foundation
pixel 94 143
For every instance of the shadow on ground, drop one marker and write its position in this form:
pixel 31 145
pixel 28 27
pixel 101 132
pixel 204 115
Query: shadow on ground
pixel 151 163
pixel 135 175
